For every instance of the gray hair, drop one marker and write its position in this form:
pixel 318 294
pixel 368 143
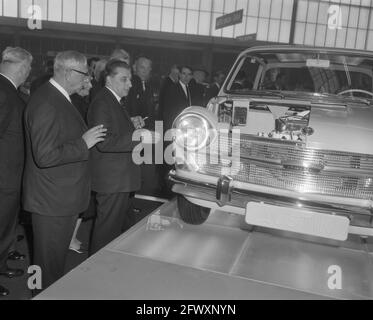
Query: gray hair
pixel 68 60
pixel 120 54
pixel 16 55
pixel 100 68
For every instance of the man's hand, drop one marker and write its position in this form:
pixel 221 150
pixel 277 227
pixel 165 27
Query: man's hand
pixel 94 136
pixel 138 122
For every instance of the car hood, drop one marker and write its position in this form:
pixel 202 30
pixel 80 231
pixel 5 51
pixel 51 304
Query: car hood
pixel 342 128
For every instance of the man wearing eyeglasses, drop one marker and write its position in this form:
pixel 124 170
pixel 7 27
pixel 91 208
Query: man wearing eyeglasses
pixel 57 182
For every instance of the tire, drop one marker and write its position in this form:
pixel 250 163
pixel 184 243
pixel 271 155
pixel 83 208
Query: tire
pixel 191 213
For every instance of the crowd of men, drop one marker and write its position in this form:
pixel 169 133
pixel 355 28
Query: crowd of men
pixel 69 144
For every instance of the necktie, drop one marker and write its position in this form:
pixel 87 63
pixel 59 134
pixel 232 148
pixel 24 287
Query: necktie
pixel 188 96
pixel 143 86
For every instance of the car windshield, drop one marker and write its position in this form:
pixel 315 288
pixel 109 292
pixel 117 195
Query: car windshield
pixel 322 73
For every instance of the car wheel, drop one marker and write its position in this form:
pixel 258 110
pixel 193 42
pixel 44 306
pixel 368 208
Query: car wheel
pixel 191 213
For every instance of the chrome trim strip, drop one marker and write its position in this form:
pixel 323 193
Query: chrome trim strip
pixel 241 187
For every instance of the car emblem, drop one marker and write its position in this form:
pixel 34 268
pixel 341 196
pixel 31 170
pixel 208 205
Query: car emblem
pixel 303 165
pixel 308 131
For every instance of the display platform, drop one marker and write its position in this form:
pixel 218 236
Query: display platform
pixel 163 258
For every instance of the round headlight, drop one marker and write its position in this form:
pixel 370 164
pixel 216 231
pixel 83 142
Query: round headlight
pixel 192 131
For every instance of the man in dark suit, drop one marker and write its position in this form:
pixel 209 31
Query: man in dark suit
pixel 198 87
pixel 140 100
pixel 172 79
pixel 214 89
pixel 56 182
pixel 177 98
pixel 14 70
pixel 114 174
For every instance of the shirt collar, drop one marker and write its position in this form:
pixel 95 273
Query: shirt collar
pixel 60 88
pixel 183 85
pixel 10 80
pixel 115 95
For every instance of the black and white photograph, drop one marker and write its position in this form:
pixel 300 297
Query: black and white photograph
pixel 186 155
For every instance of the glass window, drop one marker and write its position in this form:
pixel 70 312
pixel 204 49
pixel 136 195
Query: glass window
pixel 276 9
pixel 167 20
pixel 353 17
pixel 129 15
pixel 169 3
pixel 142 17
pixel 253 10
pixel 341 38
pixel 320 35
pixel 274 28
pixel 180 21
pixel 204 23
pixel 265 8
pixel 251 26
pixel 360 39
pixel 300 28
pixel 155 18
pixel 302 11
pixel 230 6
pixel 25 4
pixel 69 11
pixel 351 37
pixel 10 8
pixel 219 6
pixel 192 22
pixel 157 3
pixel 43 6
pixel 97 17
pixel 369 45
pixel 181 4
pixel 364 18
pixel 285 31
pixel 331 36
pixel 309 38
pixel 323 13
pixel 287 10
pixel 206 5
pixel 83 7
pixel 111 13
pixel 312 12
pixel 228 32
pixel 194 4
pixel 55 10
pixel 262 33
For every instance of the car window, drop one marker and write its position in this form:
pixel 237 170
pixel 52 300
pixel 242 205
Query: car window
pixel 313 72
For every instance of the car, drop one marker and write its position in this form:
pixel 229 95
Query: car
pixel 288 143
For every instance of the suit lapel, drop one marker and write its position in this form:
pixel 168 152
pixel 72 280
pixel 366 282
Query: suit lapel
pixel 68 105
pixel 122 109
pixel 8 85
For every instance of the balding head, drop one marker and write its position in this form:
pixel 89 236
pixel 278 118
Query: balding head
pixel 71 71
pixel 16 64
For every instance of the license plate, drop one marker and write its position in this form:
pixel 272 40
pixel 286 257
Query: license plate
pixel 299 221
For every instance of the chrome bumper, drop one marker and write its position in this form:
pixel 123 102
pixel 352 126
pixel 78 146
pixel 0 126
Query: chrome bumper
pixel 225 192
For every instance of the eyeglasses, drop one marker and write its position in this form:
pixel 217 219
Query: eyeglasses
pixel 81 72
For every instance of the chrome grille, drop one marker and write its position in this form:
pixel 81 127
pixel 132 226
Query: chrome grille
pixel 261 164
pixel 278 152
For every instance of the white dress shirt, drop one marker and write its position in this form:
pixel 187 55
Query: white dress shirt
pixel 60 89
